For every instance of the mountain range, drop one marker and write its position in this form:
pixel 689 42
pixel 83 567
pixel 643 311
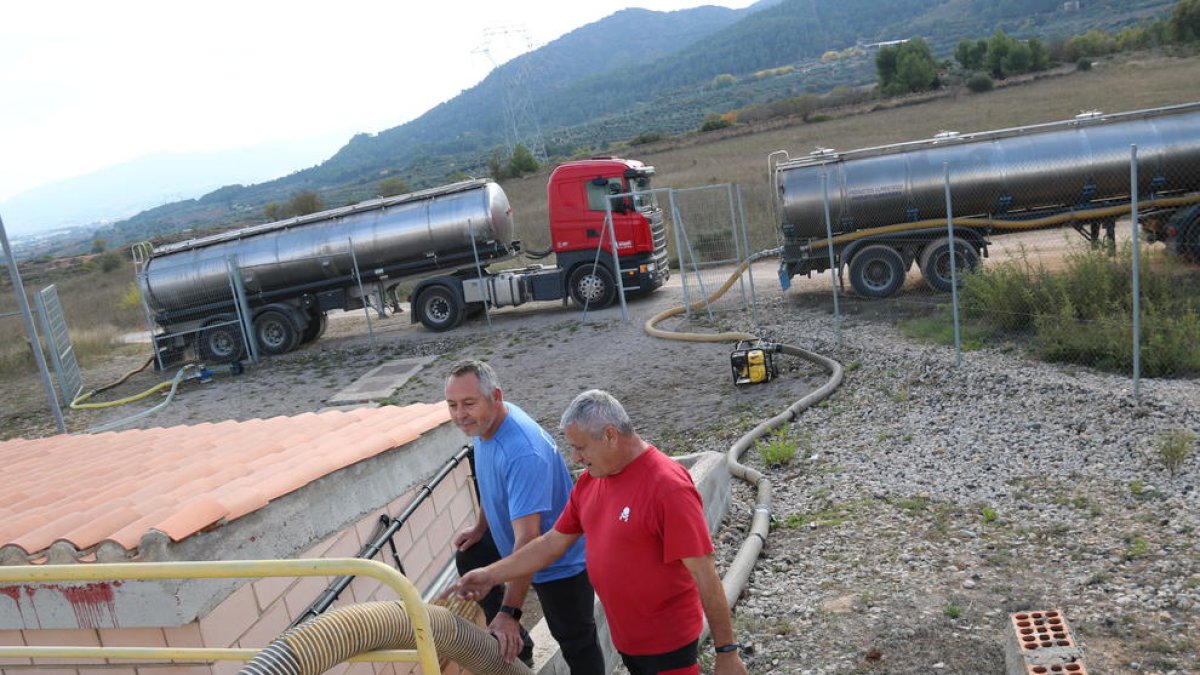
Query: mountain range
pixel 635 71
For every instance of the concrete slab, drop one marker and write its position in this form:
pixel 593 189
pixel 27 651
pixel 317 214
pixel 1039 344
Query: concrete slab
pixel 381 382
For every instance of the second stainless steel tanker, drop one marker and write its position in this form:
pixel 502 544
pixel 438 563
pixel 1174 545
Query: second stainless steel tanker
pixel 887 205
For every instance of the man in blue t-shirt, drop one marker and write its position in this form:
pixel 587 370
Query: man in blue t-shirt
pixel 523 486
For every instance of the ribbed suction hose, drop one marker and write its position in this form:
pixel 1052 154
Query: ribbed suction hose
pixel 738 573
pixel 317 645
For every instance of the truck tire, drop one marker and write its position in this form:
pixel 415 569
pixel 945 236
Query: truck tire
pixel 221 343
pixel 935 262
pixel 316 327
pixel 439 309
pixel 877 271
pixel 275 333
pixel 592 286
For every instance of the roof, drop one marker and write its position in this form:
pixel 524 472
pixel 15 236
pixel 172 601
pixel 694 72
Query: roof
pixel 76 498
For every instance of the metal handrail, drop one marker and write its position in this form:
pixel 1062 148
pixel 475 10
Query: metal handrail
pixel 425 653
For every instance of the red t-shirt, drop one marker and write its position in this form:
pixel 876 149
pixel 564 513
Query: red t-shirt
pixel 640 524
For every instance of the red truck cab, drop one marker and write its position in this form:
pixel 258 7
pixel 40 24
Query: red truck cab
pixel 579 197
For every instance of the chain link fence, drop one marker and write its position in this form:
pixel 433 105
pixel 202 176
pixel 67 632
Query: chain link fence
pixel 1038 261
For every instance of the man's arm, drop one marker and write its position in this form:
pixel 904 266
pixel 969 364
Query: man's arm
pixel 528 559
pixel 506 628
pixel 716 610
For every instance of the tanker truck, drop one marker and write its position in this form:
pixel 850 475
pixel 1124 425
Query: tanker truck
pixel 294 271
pixel 887 205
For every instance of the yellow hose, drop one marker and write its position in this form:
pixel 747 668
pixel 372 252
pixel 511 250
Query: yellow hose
pixel 78 403
pixel 695 306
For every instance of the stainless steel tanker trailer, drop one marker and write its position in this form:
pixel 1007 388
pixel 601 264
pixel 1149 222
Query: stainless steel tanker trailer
pixel 294 271
pixel 887 205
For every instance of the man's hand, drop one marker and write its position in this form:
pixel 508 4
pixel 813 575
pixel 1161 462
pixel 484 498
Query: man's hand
pixel 729 663
pixel 471 586
pixel 467 538
pixel 508 633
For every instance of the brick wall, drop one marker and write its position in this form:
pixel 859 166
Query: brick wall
pixel 259 610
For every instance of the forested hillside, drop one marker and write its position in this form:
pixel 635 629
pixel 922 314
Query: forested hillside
pixel 639 71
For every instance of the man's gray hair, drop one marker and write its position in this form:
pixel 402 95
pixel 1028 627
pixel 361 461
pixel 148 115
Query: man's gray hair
pixel 593 410
pixel 488 383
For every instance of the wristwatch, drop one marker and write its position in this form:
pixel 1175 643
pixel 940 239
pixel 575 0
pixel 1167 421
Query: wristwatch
pixel 725 649
pixel 514 612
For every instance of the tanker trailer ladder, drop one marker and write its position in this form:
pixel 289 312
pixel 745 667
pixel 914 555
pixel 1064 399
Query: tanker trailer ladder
pixel 738 573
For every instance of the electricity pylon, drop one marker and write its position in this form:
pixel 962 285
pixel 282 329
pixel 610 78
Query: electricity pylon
pixel 521 125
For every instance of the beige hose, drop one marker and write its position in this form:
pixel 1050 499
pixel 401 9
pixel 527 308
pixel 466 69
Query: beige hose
pixel 317 645
pixel 738 573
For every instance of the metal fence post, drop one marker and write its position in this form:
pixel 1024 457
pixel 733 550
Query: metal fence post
pixel 687 305
pixel 749 266
pixel 837 315
pixel 616 260
pixel 243 307
pixel 34 343
pixel 487 312
pixel 1137 274
pixel 361 293
pixel 953 270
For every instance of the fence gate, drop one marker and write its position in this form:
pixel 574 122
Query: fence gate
pixel 58 342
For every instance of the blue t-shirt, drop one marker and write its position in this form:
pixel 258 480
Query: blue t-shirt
pixel 521 473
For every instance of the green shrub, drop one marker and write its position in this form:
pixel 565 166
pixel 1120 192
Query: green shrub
pixel 778 449
pixel 714 121
pixel 1175 447
pixel 647 137
pixel 1083 63
pixel 1084 313
pixel 979 83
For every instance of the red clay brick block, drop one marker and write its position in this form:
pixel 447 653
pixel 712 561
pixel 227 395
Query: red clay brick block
pixel 1041 643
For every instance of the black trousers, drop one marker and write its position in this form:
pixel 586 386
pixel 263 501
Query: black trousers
pixel 652 664
pixel 567 604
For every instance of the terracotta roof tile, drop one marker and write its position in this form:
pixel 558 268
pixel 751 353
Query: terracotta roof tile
pixel 75 493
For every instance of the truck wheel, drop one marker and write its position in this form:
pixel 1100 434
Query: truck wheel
pixel 877 271
pixel 592 286
pixel 439 309
pixel 316 327
pixel 221 344
pixel 935 262
pixel 275 333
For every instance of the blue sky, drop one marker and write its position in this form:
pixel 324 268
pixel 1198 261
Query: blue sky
pixel 86 84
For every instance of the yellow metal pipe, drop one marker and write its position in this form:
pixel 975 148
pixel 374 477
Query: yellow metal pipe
pixel 425 653
pixel 191 654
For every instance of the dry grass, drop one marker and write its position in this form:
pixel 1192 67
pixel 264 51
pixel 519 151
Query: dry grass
pixel 95 315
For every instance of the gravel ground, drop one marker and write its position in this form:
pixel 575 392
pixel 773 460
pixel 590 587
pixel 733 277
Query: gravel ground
pixel 926 501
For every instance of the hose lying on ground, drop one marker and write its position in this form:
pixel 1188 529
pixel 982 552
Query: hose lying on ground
pixel 317 645
pixel 739 570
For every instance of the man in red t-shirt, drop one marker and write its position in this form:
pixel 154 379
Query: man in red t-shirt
pixel 649 555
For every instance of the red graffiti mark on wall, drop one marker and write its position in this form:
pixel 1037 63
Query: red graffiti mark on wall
pixel 93 604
